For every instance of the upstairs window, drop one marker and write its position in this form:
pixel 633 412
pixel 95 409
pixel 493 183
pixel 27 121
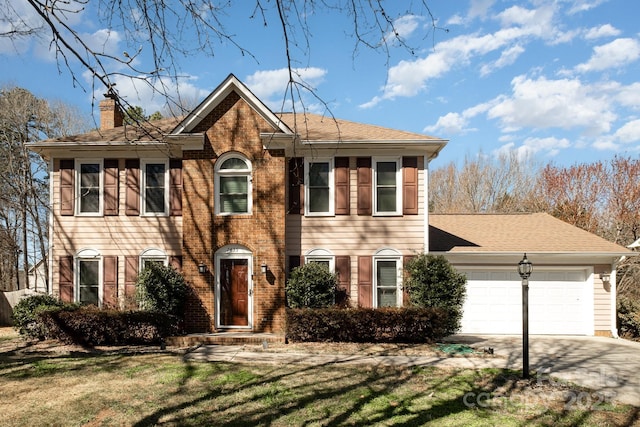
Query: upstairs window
pixel 320 187
pixel 89 187
pixel 387 181
pixel 155 188
pixel 233 185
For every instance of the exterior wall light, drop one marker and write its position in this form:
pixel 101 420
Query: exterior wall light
pixel 263 268
pixel 202 268
pixel 605 277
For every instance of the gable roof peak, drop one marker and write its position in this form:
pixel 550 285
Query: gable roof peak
pixel 219 94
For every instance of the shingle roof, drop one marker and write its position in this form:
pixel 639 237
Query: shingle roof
pixel 145 132
pixel 310 126
pixel 489 233
pixel 315 127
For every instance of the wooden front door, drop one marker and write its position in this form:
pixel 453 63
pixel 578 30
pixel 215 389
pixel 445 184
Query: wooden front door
pixel 234 292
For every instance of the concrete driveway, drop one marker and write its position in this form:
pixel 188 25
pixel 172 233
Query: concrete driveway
pixel 608 366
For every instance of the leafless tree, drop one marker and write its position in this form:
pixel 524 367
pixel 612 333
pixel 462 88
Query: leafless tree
pixel 23 177
pixel 483 184
pixel 167 32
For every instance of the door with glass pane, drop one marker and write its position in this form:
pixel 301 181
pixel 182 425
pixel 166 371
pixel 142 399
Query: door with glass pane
pixel 234 292
pixel 387 290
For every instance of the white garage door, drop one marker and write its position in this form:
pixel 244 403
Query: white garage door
pixel 560 302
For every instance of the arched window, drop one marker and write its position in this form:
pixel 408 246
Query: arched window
pixel 233 185
pixel 321 256
pixel 153 255
pixel 387 278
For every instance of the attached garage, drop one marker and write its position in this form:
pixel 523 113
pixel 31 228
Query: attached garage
pixel 567 292
pixel 560 302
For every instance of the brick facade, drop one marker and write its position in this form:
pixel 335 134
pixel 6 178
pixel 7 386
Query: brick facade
pixel 233 126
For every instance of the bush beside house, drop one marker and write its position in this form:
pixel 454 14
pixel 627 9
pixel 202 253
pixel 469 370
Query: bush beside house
pixel 436 294
pixel 161 294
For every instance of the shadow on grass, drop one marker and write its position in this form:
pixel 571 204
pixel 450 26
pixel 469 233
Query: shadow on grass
pixel 206 393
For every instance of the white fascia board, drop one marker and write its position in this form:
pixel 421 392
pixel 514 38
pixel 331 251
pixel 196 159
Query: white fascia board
pixel 554 258
pixel 230 84
pixel 117 149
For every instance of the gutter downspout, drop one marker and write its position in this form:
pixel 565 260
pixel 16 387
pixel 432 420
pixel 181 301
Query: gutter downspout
pixel 614 298
pixel 425 244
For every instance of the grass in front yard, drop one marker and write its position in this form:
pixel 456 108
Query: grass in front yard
pixel 163 389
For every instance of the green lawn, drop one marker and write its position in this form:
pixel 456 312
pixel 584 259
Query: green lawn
pixel 163 389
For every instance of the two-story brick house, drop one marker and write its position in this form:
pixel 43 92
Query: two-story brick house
pixel 235 196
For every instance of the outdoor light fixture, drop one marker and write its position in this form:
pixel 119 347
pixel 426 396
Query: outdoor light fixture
pixel 605 277
pixel 202 268
pixel 263 268
pixel 524 270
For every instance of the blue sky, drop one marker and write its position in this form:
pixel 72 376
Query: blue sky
pixel 556 80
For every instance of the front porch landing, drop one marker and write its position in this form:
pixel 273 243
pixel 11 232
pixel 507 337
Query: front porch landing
pixel 225 338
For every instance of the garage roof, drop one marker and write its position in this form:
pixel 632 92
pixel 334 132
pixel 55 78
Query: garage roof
pixel 514 233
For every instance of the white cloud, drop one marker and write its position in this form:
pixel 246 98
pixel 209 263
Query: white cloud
pixel 269 83
pixel 149 94
pixel 520 25
pixel 616 54
pixel 564 104
pixel 584 5
pixel 606 30
pixel 508 57
pixel 449 124
pixel 629 132
pixel 629 96
pixel 479 8
pixel 405 26
pixel 549 147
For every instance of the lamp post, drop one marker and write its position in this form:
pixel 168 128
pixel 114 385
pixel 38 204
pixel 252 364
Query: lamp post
pixel 524 270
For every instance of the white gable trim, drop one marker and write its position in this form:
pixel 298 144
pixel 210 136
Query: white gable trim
pixel 230 84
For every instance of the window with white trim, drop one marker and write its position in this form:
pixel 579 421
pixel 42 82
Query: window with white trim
pixel 155 187
pixel 321 256
pixel 89 185
pixel 153 256
pixel 233 185
pixel 88 290
pixel 387 278
pixel 319 191
pixel 387 184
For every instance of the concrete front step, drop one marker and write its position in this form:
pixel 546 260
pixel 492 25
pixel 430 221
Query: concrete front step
pixel 225 338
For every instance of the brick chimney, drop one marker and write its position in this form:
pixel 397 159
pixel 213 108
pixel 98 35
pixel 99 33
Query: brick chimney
pixel 110 114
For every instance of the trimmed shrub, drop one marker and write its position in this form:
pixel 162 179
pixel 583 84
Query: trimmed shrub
pixel 431 281
pixel 629 318
pixel 161 288
pixel 25 314
pixel 406 325
pixel 90 326
pixel 311 286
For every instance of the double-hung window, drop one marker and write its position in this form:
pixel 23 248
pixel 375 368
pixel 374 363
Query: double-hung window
pixel 387 181
pixel 155 187
pixel 320 187
pixel 88 278
pixel 89 187
pixel 233 185
pixel 387 276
